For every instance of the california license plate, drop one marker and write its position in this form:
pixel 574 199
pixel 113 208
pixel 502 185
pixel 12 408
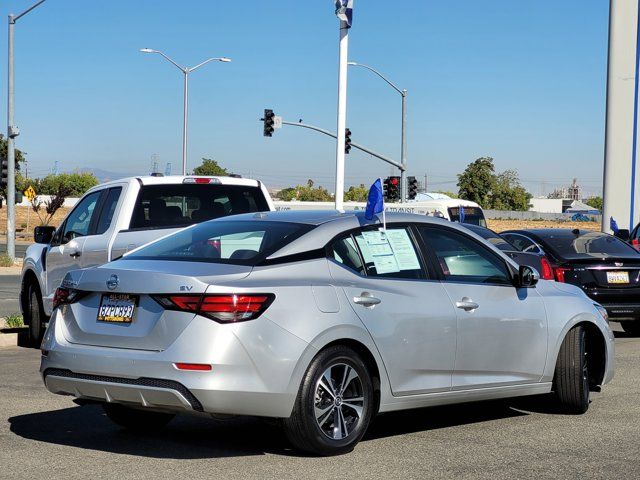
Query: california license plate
pixel 618 277
pixel 117 308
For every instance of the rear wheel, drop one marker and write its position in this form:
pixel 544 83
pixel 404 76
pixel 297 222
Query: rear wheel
pixel 571 379
pixel 631 327
pixel 35 315
pixel 334 405
pixel 136 420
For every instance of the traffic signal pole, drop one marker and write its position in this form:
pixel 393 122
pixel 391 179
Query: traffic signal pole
pixel 403 150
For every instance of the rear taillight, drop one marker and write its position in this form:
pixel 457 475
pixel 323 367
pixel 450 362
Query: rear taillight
pixel 560 273
pixel 220 307
pixel 66 295
pixel 547 270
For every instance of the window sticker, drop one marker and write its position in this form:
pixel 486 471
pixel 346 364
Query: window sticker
pixel 381 253
pixel 403 249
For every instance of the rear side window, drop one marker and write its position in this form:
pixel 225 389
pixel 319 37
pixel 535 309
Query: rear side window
pixel 522 243
pixel 165 206
pixel 462 259
pixel 241 243
pixel 388 254
pixel 108 209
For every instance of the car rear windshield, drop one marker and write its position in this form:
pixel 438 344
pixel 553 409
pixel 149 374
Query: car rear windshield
pixel 472 215
pixel 569 245
pixel 236 242
pixel 179 205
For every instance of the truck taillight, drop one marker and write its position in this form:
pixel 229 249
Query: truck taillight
pixel 560 273
pixel 223 308
pixel 547 270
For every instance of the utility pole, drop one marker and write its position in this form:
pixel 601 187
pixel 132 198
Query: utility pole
pixel 12 133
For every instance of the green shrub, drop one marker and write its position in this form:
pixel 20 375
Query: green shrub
pixel 6 261
pixel 14 320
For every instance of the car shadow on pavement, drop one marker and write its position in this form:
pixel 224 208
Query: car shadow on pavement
pixel 188 437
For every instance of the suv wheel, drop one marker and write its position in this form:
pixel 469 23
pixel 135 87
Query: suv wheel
pixel 35 315
pixel 334 405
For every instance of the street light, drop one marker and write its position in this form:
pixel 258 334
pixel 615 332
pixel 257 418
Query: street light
pixel 12 133
pixel 403 145
pixel 186 71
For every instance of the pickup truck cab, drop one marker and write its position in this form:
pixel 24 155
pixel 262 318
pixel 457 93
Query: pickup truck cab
pixel 116 217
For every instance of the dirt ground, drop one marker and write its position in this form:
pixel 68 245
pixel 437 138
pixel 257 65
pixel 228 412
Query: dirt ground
pixel 25 215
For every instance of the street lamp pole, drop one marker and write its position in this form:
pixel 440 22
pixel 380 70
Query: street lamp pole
pixel 403 145
pixel 12 133
pixel 185 71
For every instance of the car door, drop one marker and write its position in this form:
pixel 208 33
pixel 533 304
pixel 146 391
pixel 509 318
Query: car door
pixel 407 313
pixel 66 247
pixel 501 329
pixel 97 245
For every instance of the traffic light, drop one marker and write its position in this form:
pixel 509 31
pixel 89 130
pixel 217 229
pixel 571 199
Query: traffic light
pixel 412 188
pixel 269 120
pixel 347 140
pixel 5 173
pixel 391 188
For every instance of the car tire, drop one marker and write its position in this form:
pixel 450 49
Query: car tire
pixel 35 314
pixel 632 327
pixel 135 419
pixel 327 419
pixel 571 379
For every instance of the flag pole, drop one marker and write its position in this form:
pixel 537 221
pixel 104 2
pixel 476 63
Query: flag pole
pixel 342 114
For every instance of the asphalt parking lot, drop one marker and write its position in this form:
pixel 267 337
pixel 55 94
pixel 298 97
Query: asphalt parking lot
pixel 45 435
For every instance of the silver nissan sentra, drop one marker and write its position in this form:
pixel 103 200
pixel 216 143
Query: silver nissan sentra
pixel 321 319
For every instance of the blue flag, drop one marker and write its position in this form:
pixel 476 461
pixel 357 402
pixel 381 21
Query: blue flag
pixel 375 200
pixel 344 11
pixel 613 225
pixel 461 215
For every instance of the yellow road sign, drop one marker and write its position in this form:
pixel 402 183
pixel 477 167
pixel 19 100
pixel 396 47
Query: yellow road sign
pixel 30 193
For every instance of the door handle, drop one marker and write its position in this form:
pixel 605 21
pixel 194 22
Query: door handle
pixel 467 304
pixel 366 299
pixel 75 254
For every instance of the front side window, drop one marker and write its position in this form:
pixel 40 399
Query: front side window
pixel 79 220
pixel 389 254
pixel 462 259
pixel 242 243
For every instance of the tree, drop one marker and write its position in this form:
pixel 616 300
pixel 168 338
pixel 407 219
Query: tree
pixel 305 193
pixel 595 202
pixel 73 184
pixel 52 205
pixel 356 194
pixel 19 159
pixel 477 181
pixel 210 168
pixel 508 193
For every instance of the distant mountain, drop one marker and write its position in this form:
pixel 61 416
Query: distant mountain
pixel 105 176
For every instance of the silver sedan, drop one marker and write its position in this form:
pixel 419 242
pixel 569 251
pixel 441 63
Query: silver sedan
pixel 322 319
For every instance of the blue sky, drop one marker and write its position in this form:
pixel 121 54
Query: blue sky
pixel 523 82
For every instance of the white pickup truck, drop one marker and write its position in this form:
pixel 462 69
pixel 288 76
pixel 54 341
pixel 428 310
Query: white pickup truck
pixel 116 217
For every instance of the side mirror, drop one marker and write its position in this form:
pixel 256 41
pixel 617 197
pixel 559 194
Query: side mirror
pixel 43 234
pixel 623 234
pixel 527 276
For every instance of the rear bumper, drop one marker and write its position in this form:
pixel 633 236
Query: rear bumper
pixel 622 311
pixel 261 383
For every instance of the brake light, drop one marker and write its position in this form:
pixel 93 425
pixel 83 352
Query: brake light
pixel 223 308
pixel 635 244
pixel 560 273
pixel 200 180
pixel 547 270
pixel 64 295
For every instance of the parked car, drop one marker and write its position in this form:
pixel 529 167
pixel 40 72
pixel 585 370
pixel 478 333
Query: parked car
pixel 606 268
pixel 325 322
pixel 116 217
pixel 532 259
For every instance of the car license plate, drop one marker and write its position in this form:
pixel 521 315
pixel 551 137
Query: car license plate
pixel 618 277
pixel 117 308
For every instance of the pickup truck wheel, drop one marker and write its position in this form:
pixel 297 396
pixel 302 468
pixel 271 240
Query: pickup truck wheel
pixel 631 327
pixel 36 315
pixel 571 379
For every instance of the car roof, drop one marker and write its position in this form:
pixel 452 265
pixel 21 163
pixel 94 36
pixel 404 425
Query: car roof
pixel 555 232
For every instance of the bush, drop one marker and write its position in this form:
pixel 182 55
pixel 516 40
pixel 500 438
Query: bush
pixel 14 320
pixel 6 261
